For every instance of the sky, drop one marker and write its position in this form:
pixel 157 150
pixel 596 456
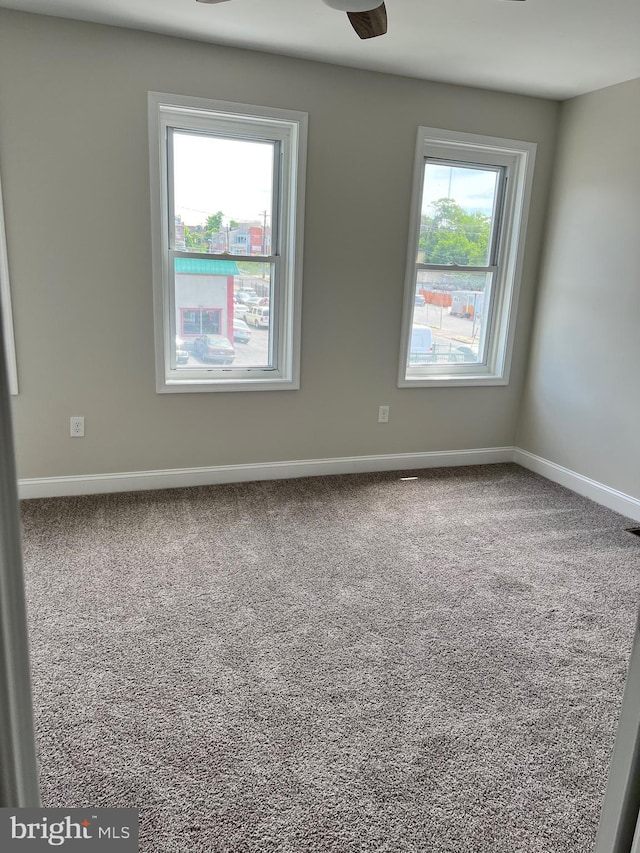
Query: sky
pixel 472 188
pixel 212 174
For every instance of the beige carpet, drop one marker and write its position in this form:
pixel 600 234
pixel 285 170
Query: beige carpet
pixel 361 663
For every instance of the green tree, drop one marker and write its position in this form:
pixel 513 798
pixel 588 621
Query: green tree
pixel 197 237
pixel 213 224
pixel 450 235
pixel 193 237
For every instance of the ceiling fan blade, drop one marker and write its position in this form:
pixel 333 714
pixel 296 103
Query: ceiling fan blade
pixel 210 1
pixel 369 24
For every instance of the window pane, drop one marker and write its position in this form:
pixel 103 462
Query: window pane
pixel 449 317
pixel 228 304
pixel 222 193
pixel 458 214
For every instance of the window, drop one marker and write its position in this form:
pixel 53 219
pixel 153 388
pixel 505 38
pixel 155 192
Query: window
pixel 469 212
pixel 200 321
pixel 5 306
pixel 227 198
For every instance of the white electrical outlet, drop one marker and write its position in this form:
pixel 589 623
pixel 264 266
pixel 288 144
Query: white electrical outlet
pixel 77 427
pixel 383 415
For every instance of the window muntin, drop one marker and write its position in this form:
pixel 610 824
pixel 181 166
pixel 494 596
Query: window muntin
pixel 230 193
pixel 469 209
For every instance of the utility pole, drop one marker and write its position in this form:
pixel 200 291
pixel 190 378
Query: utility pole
pixel 264 230
pixel 264 239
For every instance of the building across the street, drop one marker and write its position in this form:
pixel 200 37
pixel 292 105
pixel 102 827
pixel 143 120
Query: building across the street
pixel 204 297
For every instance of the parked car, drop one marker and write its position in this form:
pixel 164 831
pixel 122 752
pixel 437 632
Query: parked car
pixel 243 296
pixel 258 316
pixel 446 354
pixel 241 332
pixel 467 354
pixel 421 351
pixel 214 348
pixel 182 356
pixel 419 300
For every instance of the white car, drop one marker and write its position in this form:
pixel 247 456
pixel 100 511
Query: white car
pixel 421 351
pixel 245 296
pixel 258 316
pixel 182 356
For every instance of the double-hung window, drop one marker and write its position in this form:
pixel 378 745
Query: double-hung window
pixel 227 202
pixel 469 212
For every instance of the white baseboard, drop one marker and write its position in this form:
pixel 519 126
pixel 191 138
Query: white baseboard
pixel 132 481
pixel 592 489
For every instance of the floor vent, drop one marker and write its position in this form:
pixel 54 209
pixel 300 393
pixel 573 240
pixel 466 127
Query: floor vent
pixel 634 530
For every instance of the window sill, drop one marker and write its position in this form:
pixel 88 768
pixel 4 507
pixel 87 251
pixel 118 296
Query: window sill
pixel 452 381
pixel 196 386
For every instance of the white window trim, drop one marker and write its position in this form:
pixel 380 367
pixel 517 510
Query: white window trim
pixel 519 158
pixel 5 303
pixel 164 109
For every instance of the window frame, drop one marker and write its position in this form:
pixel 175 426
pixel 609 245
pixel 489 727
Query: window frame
pixel 287 129
pixel 517 158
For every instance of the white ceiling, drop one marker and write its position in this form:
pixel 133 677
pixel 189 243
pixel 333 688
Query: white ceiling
pixel 550 48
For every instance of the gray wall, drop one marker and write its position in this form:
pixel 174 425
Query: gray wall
pixel 74 161
pixel 581 406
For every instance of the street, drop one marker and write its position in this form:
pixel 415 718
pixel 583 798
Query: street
pixel 448 331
